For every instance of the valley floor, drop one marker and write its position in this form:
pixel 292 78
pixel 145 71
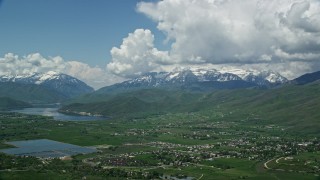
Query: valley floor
pixel 202 145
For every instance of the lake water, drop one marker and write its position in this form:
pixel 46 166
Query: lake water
pixel 45 148
pixel 53 111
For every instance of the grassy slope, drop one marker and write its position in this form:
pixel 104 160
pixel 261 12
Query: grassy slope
pixel 291 105
pixel 150 101
pixel 29 93
pixel 8 103
pixel 294 106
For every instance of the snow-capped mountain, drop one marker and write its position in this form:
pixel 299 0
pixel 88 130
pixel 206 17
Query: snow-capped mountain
pixel 203 78
pixel 62 83
pixel 258 77
pixel 187 76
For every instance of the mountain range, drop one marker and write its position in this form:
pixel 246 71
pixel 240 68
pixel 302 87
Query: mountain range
pixel 42 88
pixel 161 91
pixel 186 90
pixel 197 79
pixel 292 104
pixel 52 87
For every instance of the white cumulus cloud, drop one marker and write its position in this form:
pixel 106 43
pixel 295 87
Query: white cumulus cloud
pixel 12 64
pixel 229 31
pixel 136 55
pixel 251 33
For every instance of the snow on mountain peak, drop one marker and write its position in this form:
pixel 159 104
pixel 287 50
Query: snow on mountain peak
pixel 62 83
pixel 274 77
pixel 33 78
pixel 204 74
pixel 270 76
pixel 172 75
pixel 194 74
pixel 242 73
pixel 46 76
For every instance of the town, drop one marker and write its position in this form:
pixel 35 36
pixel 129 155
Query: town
pixel 169 146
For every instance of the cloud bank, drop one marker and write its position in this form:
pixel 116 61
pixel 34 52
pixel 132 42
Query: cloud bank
pixel 250 33
pixel 12 64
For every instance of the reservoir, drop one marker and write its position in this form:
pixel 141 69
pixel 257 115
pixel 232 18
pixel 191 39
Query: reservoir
pixel 45 148
pixel 53 111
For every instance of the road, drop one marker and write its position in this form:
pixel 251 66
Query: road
pixel 200 177
pixel 266 164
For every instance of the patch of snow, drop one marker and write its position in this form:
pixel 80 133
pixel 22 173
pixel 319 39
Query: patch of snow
pixel 48 76
pixel 171 76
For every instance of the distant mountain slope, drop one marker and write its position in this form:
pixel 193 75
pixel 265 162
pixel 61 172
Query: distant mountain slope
pixel 30 93
pixel 63 84
pixel 137 102
pixel 307 78
pixel 196 79
pixel 293 106
pixel 8 103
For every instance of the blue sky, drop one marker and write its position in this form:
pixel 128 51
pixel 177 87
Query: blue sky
pixel 82 30
pixel 106 41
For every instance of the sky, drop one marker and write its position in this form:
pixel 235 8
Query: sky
pixel 104 42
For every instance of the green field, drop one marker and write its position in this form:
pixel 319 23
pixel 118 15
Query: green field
pixel 211 144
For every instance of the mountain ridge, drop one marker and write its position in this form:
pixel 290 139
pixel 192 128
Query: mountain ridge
pixel 154 99
pixel 307 78
pixel 63 84
pixel 7 103
pixel 288 104
pixel 30 93
pixel 199 79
